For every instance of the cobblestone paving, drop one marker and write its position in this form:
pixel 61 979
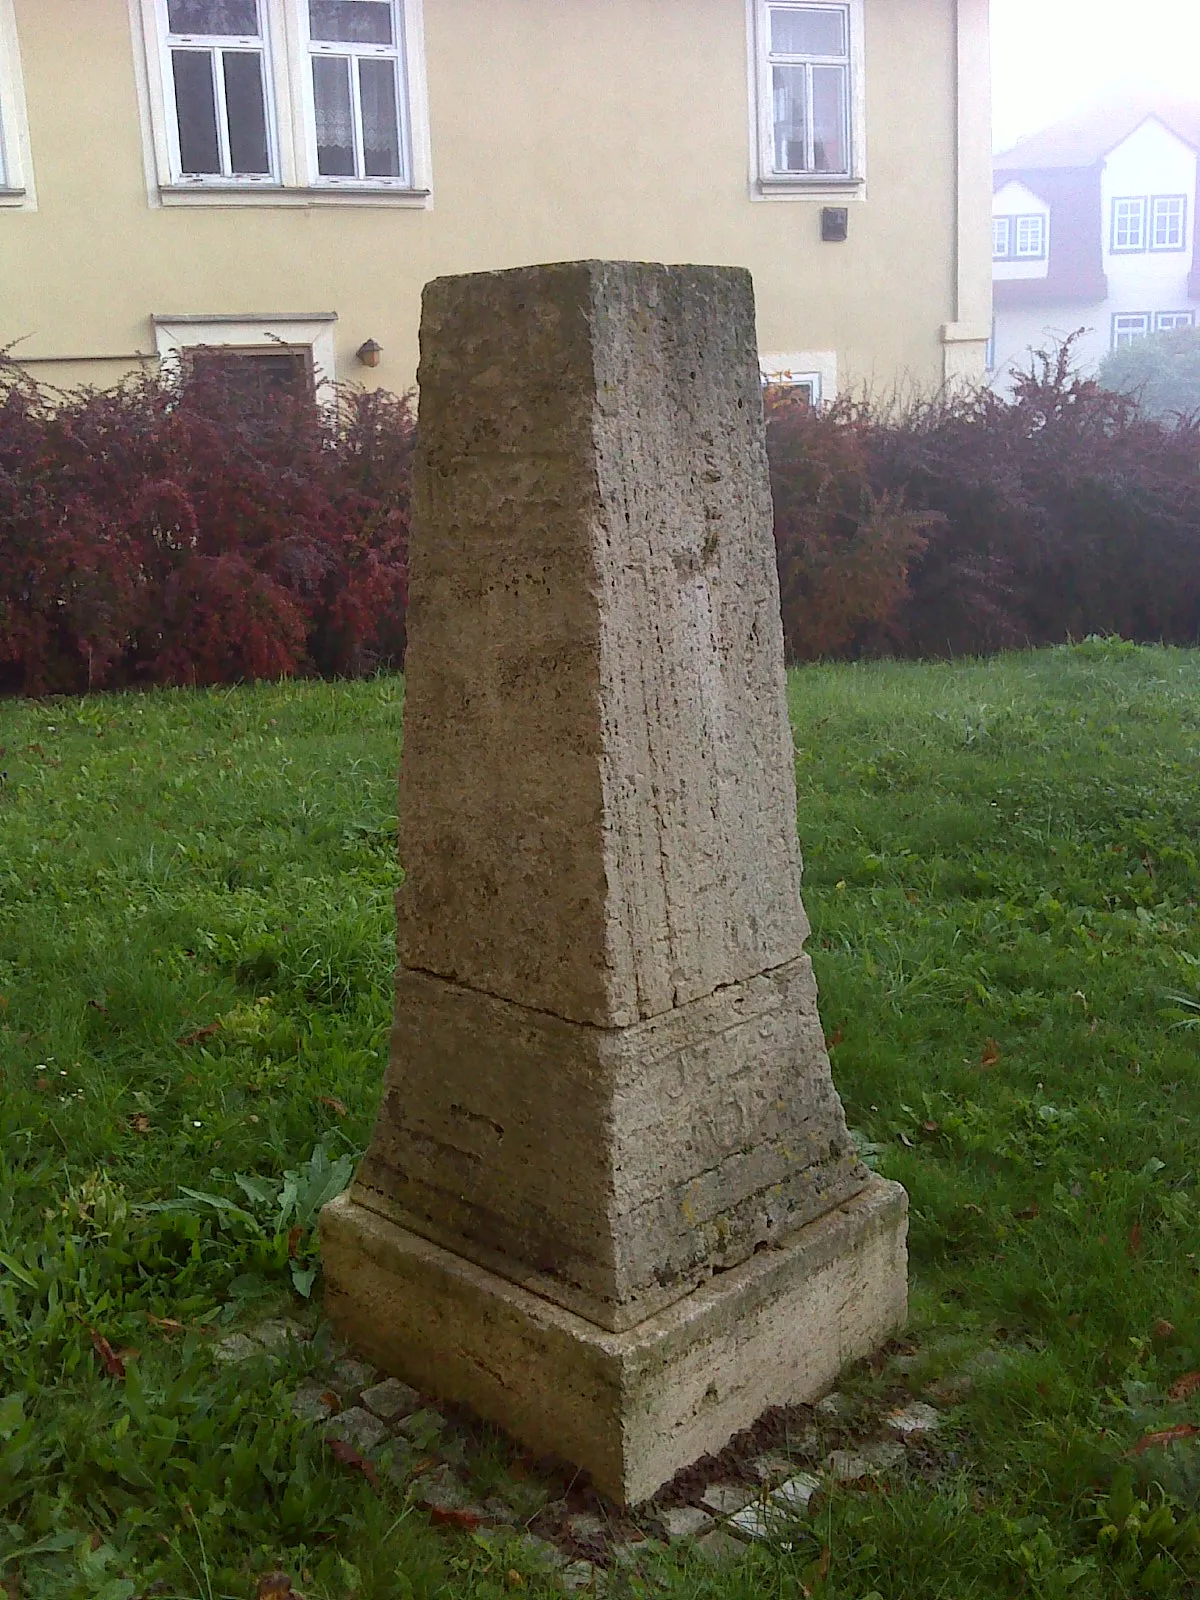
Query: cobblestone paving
pixel 466 1477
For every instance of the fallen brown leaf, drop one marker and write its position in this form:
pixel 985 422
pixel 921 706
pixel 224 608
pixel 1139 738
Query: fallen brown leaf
pixel 140 1123
pixel 1135 1239
pixel 334 1105
pixel 514 1579
pixel 294 1237
pixel 932 1127
pixel 167 1324
pixel 991 1054
pixel 1183 1430
pixel 199 1036
pixel 453 1517
pixel 1164 1329
pixel 1184 1387
pixel 113 1364
pixel 97 1005
pixel 1029 1213
pixel 273 1585
pixel 348 1456
pixel 836 1038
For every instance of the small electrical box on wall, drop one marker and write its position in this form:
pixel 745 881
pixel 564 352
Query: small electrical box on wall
pixel 835 224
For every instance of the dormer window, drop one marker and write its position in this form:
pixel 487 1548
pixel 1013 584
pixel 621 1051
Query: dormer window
pixel 1020 238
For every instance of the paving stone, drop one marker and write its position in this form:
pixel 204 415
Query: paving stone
pixel 357 1428
pixel 718 1547
pixel 423 1427
pixel 582 1577
pixel 847 1466
pixel 441 1490
pixel 629 1553
pixel 541 1551
pixel 885 1455
pixel 795 1494
pixel 726 1498
pixel 312 1402
pixel 237 1347
pixel 499 1510
pixel 277 1334
pixel 913 1419
pixel 391 1400
pixel 767 1469
pixel 586 1525
pixel 684 1522
pixel 755 1521
pixel 351 1378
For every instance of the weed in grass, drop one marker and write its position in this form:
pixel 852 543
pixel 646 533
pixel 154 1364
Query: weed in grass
pixel 196 949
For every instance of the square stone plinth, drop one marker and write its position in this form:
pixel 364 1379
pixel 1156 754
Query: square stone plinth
pixel 630 1408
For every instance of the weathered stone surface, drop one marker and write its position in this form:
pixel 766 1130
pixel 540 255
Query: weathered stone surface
pixel 236 1347
pixel 597 797
pixel 611 1201
pixel 312 1402
pixel 684 1522
pixel 609 1169
pixel 726 1498
pixel 391 1400
pixel 912 1419
pixel 795 1494
pixel 357 1428
pixel 631 1408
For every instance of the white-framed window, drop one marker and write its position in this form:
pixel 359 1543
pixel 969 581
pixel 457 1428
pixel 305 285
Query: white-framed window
pixel 1030 238
pixel 808 73
pixel 285 102
pixel 16 167
pixel 1128 224
pixel 358 125
pixel 1001 238
pixel 813 372
pixel 1168 222
pixel 218 89
pixel 1169 321
pixel 1129 327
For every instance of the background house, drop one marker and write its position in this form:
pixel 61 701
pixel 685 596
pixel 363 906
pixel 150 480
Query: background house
pixel 281 177
pixel 1094 227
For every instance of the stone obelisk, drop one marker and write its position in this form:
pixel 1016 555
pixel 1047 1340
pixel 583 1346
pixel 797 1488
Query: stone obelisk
pixel 611 1202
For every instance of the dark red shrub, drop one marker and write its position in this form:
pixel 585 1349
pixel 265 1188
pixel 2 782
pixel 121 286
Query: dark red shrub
pixel 194 533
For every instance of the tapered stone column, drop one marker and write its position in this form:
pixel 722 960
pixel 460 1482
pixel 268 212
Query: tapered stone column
pixel 611 1202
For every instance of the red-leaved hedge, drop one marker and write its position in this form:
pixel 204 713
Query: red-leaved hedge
pixel 195 534
pixel 972 523
pixel 189 534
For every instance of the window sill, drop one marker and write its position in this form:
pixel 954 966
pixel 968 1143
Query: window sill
pixel 809 188
pixel 12 197
pixel 276 195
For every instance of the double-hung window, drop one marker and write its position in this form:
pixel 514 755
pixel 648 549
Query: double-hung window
pixel 358 126
pixel 808 96
pixel 216 80
pixel 1001 238
pixel 303 100
pixel 16 172
pixel 1129 224
pixel 1168 222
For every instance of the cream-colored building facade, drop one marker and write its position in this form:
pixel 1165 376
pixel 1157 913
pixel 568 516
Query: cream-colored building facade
pixel 286 175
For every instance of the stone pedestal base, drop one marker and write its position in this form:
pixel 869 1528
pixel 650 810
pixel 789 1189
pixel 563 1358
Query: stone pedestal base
pixel 631 1408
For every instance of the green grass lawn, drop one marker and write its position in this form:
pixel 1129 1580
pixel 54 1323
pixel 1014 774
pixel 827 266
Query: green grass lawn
pixel 1002 875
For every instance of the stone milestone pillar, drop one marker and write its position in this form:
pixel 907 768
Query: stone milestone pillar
pixel 610 1203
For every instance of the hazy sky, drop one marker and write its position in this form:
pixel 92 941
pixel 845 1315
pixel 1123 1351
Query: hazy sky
pixel 1052 56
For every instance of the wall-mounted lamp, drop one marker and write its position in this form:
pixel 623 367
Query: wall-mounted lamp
pixel 369 353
